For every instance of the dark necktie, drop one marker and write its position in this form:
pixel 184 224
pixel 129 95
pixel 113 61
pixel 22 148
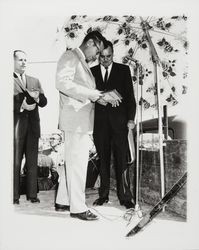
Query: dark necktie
pixel 106 75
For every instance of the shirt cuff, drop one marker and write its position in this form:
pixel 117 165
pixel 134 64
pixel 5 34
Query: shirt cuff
pixel 21 109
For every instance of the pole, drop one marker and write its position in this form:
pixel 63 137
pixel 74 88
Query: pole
pixel 130 138
pixel 165 123
pixel 137 207
pixel 156 61
pixel 160 133
pixel 138 136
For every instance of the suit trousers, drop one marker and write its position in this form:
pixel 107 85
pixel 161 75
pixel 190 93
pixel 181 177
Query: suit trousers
pixel 109 139
pixel 72 179
pixel 26 145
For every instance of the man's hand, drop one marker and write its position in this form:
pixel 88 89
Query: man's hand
pixel 131 124
pixel 95 95
pixel 26 106
pixel 112 97
pixel 102 102
pixel 115 103
pixel 33 93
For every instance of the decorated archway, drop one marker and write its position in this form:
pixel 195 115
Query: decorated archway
pixel 126 33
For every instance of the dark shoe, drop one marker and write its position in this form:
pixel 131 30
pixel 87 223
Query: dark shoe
pixel 85 216
pixel 100 201
pixel 16 201
pixel 61 208
pixel 34 200
pixel 127 204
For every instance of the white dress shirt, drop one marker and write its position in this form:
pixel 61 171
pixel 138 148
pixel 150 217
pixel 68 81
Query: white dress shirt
pixel 103 70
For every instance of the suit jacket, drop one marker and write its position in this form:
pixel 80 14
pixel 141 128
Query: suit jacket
pixel 119 79
pixel 75 82
pixel 25 119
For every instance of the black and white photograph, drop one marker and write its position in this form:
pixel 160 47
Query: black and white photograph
pixel 99 125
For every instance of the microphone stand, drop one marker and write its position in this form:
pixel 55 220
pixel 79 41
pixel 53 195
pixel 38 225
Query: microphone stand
pixel 137 211
pixel 156 62
pixel 137 207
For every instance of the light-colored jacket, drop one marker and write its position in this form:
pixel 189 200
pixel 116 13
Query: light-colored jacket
pixel 75 82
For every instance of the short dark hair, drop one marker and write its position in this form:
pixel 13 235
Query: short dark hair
pixel 96 36
pixel 16 51
pixel 108 44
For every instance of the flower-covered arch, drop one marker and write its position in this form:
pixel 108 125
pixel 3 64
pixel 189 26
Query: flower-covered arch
pixel 168 35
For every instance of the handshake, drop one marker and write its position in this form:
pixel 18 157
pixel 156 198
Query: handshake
pixel 113 97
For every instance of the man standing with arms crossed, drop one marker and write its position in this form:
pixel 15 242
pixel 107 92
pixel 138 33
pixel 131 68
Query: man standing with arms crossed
pixel 76 86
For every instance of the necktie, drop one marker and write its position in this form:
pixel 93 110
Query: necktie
pixel 106 75
pixel 23 81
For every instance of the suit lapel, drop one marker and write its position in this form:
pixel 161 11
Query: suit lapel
pixel 85 65
pixel 99 72
pixel 112 73
pixel 28 82
pixel 18 82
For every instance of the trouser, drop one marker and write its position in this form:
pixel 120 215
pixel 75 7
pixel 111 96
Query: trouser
pixel 72 179
pixel 109 140
pixel 28 146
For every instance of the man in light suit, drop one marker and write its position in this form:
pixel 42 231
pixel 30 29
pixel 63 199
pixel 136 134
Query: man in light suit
pixel 28 96
pixel 76 86
pixel 112 121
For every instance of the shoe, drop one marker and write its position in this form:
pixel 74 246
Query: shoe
pixel 16 201
pixel 100 201
pixel 33 200
pixel 85 216
pixel 127 204
pixel 61 208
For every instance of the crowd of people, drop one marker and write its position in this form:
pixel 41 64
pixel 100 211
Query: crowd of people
pixel 96 101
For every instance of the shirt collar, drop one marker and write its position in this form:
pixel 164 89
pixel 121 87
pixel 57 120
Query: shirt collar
pixel 109 67
pixel 19 75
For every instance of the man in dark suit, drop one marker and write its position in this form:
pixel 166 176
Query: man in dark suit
pixel 28 96
pixel 112 121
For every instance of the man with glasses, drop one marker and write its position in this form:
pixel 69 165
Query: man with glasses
pixel 112 121
pixel 76 86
